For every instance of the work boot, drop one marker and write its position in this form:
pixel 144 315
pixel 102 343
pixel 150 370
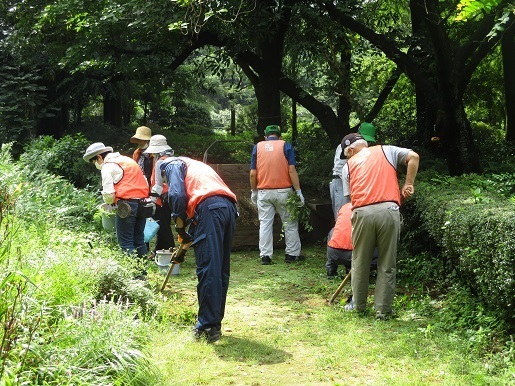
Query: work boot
pixel 266 260
pixel 210 335
pixel 292 259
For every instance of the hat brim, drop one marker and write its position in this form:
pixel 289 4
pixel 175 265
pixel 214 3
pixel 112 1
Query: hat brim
pixel 368 138
pixel 135 138
pixel 87 157
pixel 156 149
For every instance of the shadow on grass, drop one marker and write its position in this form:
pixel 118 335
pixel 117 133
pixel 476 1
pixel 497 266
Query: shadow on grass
pixel 245 350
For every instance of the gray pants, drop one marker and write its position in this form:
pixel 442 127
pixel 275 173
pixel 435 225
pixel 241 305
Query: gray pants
pixel 375 225
pixel 336 192
pixel 269 201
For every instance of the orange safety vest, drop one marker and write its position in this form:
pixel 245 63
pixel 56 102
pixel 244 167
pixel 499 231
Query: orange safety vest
pixel 201 182
pixel 272 166
pixel 372 178
pixel 153 181
pixel 133 183
pixel 341 237
pixel 137 153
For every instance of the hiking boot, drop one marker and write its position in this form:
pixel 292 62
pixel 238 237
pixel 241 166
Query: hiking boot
pixel 332 274
pixel 210 335
pixel 266 260
pixel 292 259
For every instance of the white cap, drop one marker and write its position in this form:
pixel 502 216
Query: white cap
pixel 96 149
pixel 157 144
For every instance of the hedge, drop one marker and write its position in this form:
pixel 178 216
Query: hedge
pixel 474 229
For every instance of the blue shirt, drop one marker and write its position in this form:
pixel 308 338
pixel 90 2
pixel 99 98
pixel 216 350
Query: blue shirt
pixel 175 172
pixel 288 153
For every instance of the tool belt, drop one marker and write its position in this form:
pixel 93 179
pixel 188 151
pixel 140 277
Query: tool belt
pixel 145 208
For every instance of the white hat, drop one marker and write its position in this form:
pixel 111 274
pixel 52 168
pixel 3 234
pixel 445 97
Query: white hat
pixel 96 149
pixel 157 144
pixel 143 133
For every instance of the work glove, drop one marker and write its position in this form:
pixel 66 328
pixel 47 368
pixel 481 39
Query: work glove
pixel 253 197
pixel 186 238
pixel 301 197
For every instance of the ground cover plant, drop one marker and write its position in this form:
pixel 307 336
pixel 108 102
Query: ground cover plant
pixel 72 313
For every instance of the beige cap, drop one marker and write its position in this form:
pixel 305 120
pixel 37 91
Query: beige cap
pixel 143 133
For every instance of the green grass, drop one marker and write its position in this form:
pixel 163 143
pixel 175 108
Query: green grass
pixel 280 330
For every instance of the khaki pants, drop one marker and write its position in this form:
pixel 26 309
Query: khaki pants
pixel 375 225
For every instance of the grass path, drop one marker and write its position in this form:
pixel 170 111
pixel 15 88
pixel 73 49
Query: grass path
pixel 279 330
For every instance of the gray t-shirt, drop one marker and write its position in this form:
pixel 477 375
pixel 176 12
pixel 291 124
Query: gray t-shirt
pixel 395 155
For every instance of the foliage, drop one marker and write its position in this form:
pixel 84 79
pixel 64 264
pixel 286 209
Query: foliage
pixel 62 157
pixel 54 330
pixel 20 102
pixel 472 224
pixel 298 212
pixel 115 283
pixel 315 160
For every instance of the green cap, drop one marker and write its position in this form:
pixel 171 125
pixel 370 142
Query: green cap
pixel 367 131
pixel 272 129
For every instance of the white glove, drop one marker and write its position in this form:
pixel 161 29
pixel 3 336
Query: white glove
pixel 299 193
pixel 253 197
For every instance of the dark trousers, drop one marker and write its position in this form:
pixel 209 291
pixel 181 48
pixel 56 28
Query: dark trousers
pixel 213 232
pixel 130 231
pixel 165 238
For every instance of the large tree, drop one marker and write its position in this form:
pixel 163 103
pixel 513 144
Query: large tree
pixel 454 51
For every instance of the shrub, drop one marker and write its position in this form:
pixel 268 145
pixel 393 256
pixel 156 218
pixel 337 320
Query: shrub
pixel 61 157
pixel 472 229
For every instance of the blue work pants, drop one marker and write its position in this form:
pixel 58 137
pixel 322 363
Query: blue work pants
pixel 213 231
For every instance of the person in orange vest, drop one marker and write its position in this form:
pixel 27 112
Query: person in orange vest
pixel 124 185
pixel 141 138
pixel 370 178
pixel 339 244
pixel 272 177
pixel 199 197
pixel 164 238
pixel 367 131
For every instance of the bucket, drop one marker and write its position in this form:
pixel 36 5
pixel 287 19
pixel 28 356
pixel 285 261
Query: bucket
pixel 151 229
pixel 108 215
pixel 162 260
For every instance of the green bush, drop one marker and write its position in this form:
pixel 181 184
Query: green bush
pixel 472 229
pixel 62 157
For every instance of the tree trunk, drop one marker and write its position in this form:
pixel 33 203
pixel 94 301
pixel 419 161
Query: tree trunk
pixel 113 112
pixel 233 120
pixel 508 60
pixel 294 128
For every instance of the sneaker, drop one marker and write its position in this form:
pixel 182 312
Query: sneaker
pixel 292 259
pixel 350 306
pixel 266 260
pixel 385 315
pixel 210 335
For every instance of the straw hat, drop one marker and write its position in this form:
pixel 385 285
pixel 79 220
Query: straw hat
pixel 143 133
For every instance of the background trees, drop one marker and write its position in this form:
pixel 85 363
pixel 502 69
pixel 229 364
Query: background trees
pixel 343 62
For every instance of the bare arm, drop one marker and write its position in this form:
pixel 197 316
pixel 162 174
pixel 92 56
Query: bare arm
pixel 412 161
pixel 253 179
pixel 294 177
